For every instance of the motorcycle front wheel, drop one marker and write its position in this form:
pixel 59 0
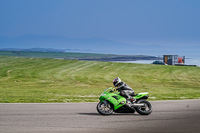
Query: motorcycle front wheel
pixel 104 109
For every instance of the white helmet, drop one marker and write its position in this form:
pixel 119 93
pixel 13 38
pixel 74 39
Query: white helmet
pixel 116 81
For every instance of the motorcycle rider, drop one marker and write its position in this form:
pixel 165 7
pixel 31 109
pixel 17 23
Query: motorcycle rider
pixel 124 89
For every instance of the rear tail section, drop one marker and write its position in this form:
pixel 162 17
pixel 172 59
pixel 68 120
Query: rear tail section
pixel 143 95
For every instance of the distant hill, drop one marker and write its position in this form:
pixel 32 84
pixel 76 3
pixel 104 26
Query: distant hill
pixel 34 49
pixel 61 42
pixel 53 43
pixel 44 43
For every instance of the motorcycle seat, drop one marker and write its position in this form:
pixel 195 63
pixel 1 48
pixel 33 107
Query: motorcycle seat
pixel 133 95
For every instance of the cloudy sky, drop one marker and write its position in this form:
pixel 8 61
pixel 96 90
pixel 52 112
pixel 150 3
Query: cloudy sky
pixel 140 22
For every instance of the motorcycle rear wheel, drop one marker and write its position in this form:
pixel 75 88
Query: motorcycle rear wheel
pixel 104 109
pixel 146 110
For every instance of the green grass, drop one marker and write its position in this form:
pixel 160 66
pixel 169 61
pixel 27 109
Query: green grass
pixel 39 80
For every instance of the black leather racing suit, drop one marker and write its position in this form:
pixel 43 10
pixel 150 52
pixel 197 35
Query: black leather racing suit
pixel 125 90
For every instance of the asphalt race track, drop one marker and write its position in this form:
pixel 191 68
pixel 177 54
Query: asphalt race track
pixel 167 117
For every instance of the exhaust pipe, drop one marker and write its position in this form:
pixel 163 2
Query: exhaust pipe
pixel 138 104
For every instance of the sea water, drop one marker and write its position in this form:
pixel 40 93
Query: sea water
pixel 188 61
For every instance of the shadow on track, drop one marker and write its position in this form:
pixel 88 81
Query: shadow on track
pixel 88 113
pixel 97 114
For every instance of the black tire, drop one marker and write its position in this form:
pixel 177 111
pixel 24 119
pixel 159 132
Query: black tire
pixel 146 110
pixel 104 109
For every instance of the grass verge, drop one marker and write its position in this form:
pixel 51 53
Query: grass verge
pixel 42 80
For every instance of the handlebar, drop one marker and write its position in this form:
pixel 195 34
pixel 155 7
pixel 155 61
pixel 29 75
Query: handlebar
pixel 113 89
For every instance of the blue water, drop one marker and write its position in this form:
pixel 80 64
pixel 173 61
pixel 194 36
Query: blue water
pixel 188 61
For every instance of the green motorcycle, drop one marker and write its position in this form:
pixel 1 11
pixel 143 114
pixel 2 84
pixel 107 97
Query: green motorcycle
pixel 111 101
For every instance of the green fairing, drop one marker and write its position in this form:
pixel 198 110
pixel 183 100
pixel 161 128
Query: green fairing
pixel 107 95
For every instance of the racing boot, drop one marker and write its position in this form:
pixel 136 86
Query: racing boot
pixel 130 100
